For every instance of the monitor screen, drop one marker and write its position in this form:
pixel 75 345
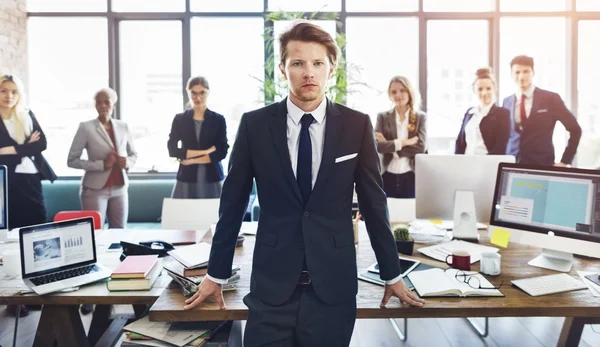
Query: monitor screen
pixel 564 201
pixel 3 198
pixel 56 246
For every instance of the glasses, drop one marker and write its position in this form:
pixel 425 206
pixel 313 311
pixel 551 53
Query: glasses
pixel 472 280
pixel 202 93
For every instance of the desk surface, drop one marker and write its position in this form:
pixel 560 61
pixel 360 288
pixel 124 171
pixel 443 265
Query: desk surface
pixel 95 293
pixel 169 306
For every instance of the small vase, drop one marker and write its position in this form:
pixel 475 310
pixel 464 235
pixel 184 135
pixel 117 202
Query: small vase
pixel 405 247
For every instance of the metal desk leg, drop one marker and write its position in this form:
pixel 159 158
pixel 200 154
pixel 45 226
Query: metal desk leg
pixel 16 325
pixel 477 328
pixel 403 336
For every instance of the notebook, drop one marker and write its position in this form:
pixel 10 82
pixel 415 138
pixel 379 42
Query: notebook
pixel 193 256
pixel 135 266
pixel 437 282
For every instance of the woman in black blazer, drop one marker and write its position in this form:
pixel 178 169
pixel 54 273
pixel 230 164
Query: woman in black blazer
pixel 485 128
pixel 198 139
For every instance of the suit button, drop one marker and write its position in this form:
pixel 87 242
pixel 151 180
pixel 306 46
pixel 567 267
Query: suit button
pixel 306 214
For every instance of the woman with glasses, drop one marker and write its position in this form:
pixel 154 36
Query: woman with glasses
pixel 198 139
pixel 401 135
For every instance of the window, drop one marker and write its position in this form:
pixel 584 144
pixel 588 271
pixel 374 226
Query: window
pixel 382 5
pixel 62 84
pixel 458 5
pixel 548 52
pixel 455 49
pixel 66 6
pixel 151 88
pixel 305 5
pixel 227 5
pixel 372 63
pixel 588 5
pixel 148 5
pixel 234 70
pixel 588 113
pixel 533 5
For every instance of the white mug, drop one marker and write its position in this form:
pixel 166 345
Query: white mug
pixel 11 260
pixel 490 263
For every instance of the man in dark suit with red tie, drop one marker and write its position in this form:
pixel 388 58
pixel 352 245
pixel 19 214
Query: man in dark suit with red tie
pixel 534 113
pixel 306 154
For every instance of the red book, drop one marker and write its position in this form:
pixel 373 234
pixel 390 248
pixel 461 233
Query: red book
pixel 135 266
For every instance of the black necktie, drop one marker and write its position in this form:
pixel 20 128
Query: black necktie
pixel 304 167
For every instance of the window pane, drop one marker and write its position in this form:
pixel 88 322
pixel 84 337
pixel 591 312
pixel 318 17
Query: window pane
pixel 548 52
pixel 66 6
pixel 305 5
pixel 588 113
pixel 458 5
pixel 55 64
pixel 588 5
pixel 235 71
pixel 382 5
pixel 227 6
pixel 455 49
pixel 532 5
pixel 151 88
pixel 372 63
pixel 148 5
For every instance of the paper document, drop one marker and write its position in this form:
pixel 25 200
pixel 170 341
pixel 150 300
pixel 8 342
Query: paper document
pixel 247 228
pixel 177 333
pixel 444 224
pixel 441 251
pixel 594 288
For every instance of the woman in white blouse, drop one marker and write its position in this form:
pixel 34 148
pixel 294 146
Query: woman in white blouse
pixel 486 127
pixel 401 134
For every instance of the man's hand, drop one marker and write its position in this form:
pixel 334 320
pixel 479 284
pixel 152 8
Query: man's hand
pixel 560 164
pixel 400 291
pixel 35 136
pixel 379 136
pixel 207 290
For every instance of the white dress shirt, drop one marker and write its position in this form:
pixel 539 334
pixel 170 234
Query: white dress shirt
pixel 473 137
pixel 27 166
pixel 528 103
pixel 399 165
pixel 317 138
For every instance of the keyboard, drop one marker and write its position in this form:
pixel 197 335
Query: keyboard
pixel 63 275
pixel 543 285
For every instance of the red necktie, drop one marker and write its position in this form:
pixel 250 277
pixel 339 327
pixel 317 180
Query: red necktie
pixel 522 111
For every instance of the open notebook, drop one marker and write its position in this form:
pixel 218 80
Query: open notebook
pixel 437 282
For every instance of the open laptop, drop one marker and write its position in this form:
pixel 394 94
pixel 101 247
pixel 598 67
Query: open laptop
pixel 60 255
pixel 3 203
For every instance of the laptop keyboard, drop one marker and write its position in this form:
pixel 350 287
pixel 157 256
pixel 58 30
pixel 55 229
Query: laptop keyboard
pixel 63 275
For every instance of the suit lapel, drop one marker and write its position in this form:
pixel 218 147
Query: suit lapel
pixel 119 133
pixel 333 130
pixel 535 106
pixel 4 134
pixel 279 135
pixel 100 129
pixel 510 105
pixel 190 128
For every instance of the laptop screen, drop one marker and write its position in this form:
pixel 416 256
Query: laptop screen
pixel 3 198
pixel 57 246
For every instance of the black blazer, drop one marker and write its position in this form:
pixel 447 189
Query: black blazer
pixel 386 124
pixel 534 145
pixel 495 129
pixel 289 231
pixel 213 133
pixel 33 150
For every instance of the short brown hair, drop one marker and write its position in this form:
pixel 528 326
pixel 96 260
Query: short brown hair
pixel 308 32
pixel 197 81
pixel 522 60
pixel 484 73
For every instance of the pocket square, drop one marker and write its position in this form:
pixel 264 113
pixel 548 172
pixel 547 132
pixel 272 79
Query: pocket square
pixel 345 157
pixel 542 110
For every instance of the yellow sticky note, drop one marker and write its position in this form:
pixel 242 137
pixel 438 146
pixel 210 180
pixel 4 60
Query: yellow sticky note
pixel 500 237
pixel 436 221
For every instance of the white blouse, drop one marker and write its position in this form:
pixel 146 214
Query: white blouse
pixel 473 137
pixel 399 165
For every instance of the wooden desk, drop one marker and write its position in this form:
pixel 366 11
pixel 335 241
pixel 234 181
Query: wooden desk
pixel 579 306
pixel 60 317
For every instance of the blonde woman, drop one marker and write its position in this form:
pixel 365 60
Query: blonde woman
pixel 401 134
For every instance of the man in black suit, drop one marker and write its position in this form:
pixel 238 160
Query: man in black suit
pixel 534 113
pixel 306 154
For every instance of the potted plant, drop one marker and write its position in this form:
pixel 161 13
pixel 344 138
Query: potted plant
pixel 404 243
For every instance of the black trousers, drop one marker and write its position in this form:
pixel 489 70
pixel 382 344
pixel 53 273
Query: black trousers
pixel 400 186
pixel 25 200
pixel 303 321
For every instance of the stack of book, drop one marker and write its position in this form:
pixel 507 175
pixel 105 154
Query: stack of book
pixel 136 272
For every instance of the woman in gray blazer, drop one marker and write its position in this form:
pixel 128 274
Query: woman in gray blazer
pixel 401 134
pixel 111 153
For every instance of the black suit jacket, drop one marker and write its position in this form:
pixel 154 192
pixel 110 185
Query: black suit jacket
pixel 288 231
pixel 213 133
pixel 33 150
pixel 386 124
pixel 534 144
pixel 495 130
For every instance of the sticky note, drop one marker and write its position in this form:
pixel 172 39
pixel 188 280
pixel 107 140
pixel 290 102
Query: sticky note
pixel 500 237
pixel 436 221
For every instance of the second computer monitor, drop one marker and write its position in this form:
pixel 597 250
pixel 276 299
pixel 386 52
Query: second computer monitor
pixel 438 177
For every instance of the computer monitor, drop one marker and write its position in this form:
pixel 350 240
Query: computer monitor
pixel 439 177
pixel 554 208
pixel 3 203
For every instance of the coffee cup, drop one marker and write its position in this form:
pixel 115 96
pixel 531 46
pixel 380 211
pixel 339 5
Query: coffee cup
pixel 460 260
pixel 11 260
pixel 490 263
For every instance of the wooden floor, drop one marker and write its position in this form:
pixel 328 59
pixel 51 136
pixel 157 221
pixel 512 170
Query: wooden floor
pixel 522 332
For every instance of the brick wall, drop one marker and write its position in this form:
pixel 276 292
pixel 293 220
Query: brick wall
pixel 13 38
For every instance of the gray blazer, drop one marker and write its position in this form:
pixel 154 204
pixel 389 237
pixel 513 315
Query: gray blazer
pixel 386 124
pixel 92 137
